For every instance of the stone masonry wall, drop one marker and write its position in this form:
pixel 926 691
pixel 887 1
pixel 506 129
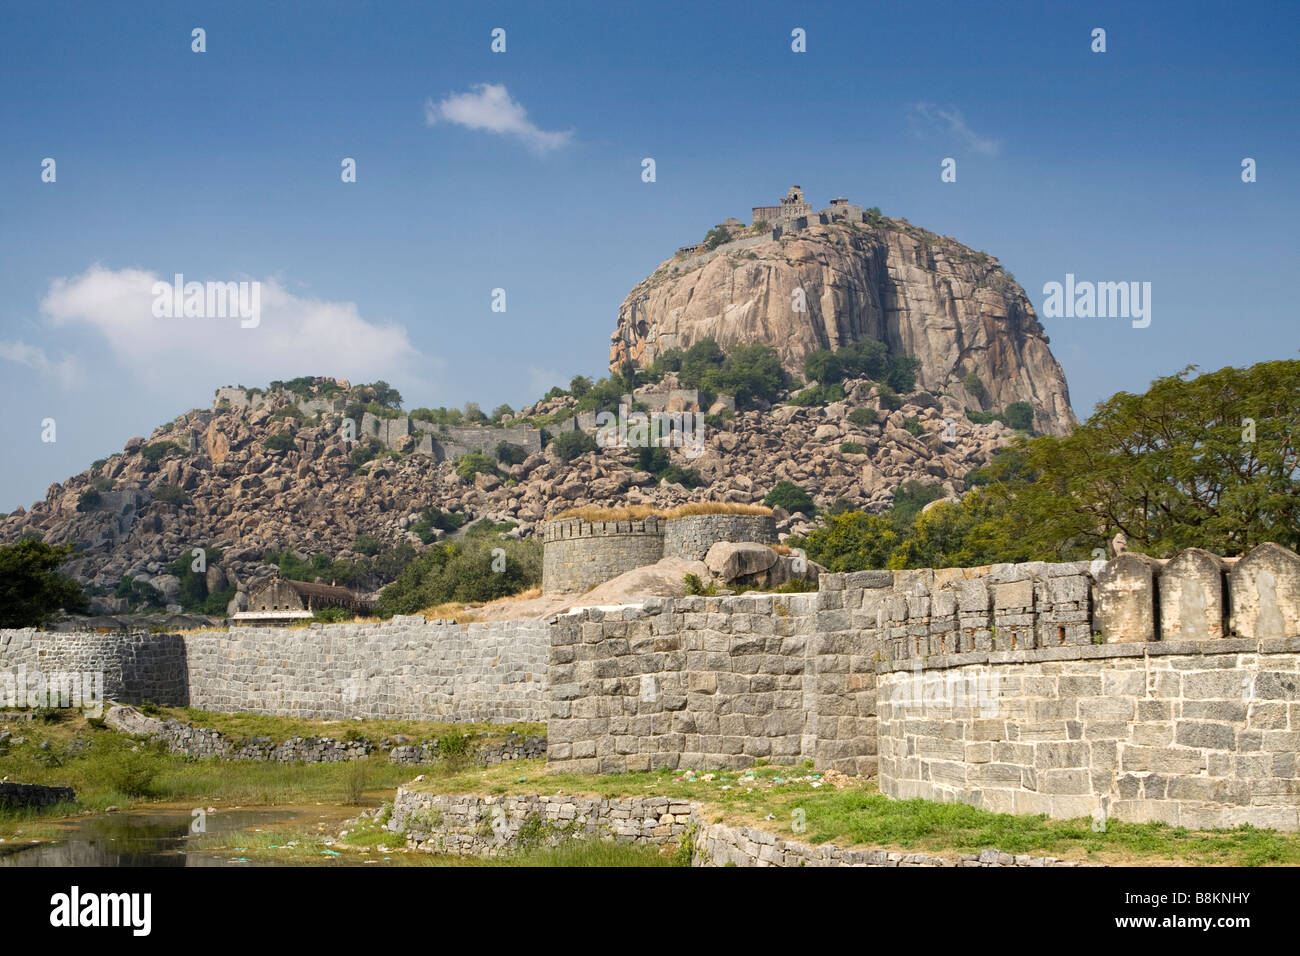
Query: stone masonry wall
pixel 1192 733
pixel 578 555
pixel 691 536
pixel 401 669
pixel 710 682
pixel 135 667
pixel 487 826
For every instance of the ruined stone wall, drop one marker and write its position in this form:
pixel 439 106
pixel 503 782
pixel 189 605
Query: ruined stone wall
pixel 577 555
pixel 691 536
pixel 453 442
pixel 487 826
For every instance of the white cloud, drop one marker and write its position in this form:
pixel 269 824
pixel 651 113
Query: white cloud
pixel 489 107
pixel 927 117
pixel 66 371
pixel 110 312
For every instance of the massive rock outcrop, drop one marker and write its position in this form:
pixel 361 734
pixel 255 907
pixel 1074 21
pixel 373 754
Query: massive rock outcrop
pixel 247 480
pixel 953 308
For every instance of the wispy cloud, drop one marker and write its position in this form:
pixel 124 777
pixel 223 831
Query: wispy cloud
pixel 110 314
pixel 489 107
pixel 928 118
pixel 66 371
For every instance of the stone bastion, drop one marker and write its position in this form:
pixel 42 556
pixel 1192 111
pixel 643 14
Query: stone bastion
pixel 577 555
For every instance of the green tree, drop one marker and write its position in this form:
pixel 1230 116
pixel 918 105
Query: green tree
pixel 386 395
pixel 865 359
pixel 853 541
pixel 31 589
pixel 716 237
pixel 975 386
pixel 1211 462
pixel 511 454
pixel 747 373
pixel 475 463
pixel 1020 416
pixel 788 495
pixel 909 498
pixel 579 386
pixel 569 445
pixel 472 571
pixel 824 367
pixel 701 358
pixel 901 375
pixel 862 417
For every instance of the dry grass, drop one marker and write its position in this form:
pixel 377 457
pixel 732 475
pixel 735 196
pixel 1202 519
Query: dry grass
pixel 462 613
pixel 638 512
pixel 715 508
pixel 594 513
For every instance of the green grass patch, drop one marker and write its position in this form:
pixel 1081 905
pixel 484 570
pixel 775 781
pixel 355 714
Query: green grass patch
pixel 241 727
pixel 859 816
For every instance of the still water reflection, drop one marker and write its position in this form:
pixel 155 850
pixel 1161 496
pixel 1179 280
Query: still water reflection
pixel 159 837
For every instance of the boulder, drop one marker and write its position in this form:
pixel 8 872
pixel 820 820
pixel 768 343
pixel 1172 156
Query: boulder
pixel 730 560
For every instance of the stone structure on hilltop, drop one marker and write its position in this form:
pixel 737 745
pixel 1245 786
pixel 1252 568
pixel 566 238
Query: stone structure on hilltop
pixel 393 432
pixel 856 276
pixel 793 207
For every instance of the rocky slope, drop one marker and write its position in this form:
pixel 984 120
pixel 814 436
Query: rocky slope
pixel 245 496
pixel 925 295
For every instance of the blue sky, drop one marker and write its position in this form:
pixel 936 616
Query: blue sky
pixel 225 165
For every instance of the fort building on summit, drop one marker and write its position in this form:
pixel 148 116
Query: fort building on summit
pixel 794 213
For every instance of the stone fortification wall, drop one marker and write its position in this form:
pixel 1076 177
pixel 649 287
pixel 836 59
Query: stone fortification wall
pixel 134 666
pixel 1204 727
pixel 577 555
pixel 710 682
pixel 691 536
pixel 1192 733
pixel 401 669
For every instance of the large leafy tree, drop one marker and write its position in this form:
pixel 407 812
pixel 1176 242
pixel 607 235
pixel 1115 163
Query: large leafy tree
pixel 1211 461
pixel 31 589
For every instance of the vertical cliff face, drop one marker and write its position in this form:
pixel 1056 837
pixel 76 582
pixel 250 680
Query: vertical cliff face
pixel 925 295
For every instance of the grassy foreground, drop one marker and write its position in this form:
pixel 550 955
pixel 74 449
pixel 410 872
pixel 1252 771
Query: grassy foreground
pixel 106 769
pixel 851 812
